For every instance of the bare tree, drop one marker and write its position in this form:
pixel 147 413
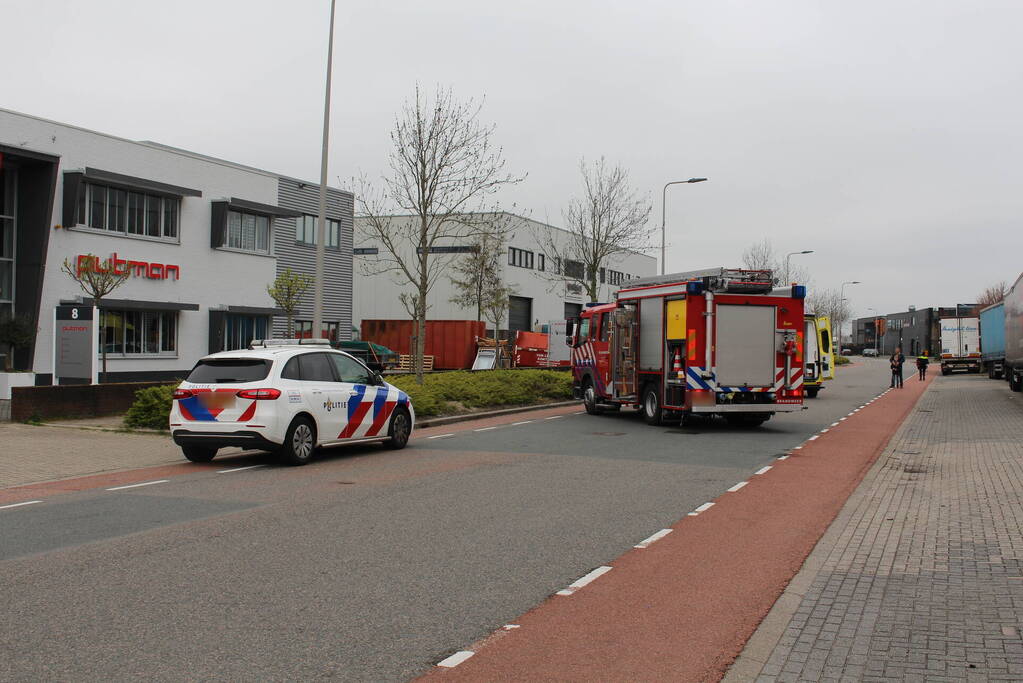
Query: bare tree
pixel 762 256
pixel 609 219
pixel 828 302
pixel 97 280
pixel 443 167
pixel 474 273
pixel 287 290
pixel 993 294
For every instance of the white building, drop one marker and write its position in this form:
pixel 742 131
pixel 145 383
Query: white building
pixel 541 295
pixel 200 237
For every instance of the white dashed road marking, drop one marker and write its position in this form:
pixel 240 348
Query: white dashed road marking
pixel 239 469
pixel 702 508
pixel 440 436
pixel 554 417
pixel 656 537
pixel 586 580
pixel 524 422
pixel 456 659
pixel 813 438
pixel 135 486
pixel 738 486
pixel 767 468
pixel 18 505
pixel 484 429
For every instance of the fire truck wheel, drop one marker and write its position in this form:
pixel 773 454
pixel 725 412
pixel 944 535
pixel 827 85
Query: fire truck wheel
pixel 651 405
pixel 812 393
pixel 590 398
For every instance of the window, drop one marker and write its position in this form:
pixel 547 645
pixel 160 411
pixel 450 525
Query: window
pixel 520 258
pixel 615 278
pixel 541 262
pixel 229 371
pixel 304 329
pixel 349 369
pixel 138 333
pixel 603 275
pixel 316 367
pixel 240 330
pixel 247 232
pixel 306 228
pixel 584 329
pixel 574 269
pixel 128 213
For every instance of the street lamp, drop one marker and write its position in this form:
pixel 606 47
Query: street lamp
pixel 794 253
pixel 841 310
pixel 876 326
pixel 664 199
pixel 321 221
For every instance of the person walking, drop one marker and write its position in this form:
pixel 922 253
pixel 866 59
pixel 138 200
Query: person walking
pixel 921 364
pixel 896 362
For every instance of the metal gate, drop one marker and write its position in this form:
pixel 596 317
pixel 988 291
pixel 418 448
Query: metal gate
pixel 520 314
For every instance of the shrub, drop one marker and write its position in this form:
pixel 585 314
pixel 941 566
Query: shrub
pixel 447 392
pixel 842 360
pixel 151 409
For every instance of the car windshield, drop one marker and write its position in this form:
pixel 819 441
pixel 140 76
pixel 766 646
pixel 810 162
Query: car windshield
pixel 229 370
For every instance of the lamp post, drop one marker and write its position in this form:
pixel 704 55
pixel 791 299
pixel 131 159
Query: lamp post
pixel 841 310
pixel 321 222
pixel 664 199
pixel 794 253
pixel 876 326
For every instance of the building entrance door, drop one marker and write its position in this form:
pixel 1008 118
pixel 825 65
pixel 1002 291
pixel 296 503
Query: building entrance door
pixel 520 314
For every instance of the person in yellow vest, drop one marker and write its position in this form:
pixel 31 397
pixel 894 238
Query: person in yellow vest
pixel 921 364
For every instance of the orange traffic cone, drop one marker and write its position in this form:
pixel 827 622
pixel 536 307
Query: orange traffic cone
pixel 676 367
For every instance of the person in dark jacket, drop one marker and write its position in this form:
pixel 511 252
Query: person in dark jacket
pixel 921 364
pixel 896 362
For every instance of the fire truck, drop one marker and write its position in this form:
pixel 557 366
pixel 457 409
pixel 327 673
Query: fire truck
pixel 710 342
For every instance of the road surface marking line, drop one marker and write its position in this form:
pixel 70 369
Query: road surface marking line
pixel 843 419
pixel 767 468
pixel 440 436
pixel 18 505
pixel 524 422
pixel 456 659
pixel 702 508
pixel 239 469
pixel 579 413
pixel 813 438
pixel 554 417
pixel 656 537
pixel 589 578
pixel 738 486
pixel 484 429
pixel 834 424
pixel 509 627
pixel 782 457
pixel 564 591
pixel 135 486
pixel 797 448
pixel 825 430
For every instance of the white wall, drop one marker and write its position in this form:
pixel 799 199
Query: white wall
pixel 376 296
pixel 209 277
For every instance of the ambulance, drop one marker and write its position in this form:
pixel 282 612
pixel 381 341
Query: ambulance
pixel 818 354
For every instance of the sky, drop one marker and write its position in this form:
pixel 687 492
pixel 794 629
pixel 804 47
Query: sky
pixel 885 136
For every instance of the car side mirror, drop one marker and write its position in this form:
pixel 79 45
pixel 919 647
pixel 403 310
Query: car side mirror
pixel 377 379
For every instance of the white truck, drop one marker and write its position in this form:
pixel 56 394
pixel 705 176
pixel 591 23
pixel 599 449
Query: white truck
pixel 960 345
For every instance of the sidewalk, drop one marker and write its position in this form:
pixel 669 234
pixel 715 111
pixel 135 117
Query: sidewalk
pixel 919 577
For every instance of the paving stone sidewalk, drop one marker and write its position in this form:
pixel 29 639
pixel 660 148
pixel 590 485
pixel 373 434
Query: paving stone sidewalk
pixel 919 578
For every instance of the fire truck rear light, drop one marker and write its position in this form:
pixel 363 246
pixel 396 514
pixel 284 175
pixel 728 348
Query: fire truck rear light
pixel 180 394
pixel 260 394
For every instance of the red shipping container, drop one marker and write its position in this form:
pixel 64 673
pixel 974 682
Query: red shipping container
pixel 452 343
pixel 531 349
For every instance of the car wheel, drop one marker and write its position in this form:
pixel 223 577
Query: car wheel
pixel 590 397
pixel 651 405
pixel 299 442
pixel 400 429
pixel 812 393
pixel 199 453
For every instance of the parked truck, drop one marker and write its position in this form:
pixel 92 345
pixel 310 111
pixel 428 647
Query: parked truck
pixel 712 342
pixel 960 345
pixel 818 354
pixel 1014 335
pixel 992 340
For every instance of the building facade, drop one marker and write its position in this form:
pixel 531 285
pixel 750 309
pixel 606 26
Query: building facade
pixel 914 331
pixel 198 238
pixel 540 294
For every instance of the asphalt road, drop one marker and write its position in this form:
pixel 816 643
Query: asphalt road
pixel 367 565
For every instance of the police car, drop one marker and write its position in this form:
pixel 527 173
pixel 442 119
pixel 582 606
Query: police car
pixel 287 396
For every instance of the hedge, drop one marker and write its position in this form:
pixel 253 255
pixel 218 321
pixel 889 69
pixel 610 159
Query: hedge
pixel 151 409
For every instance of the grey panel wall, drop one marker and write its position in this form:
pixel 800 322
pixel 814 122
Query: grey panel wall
pixel 301 258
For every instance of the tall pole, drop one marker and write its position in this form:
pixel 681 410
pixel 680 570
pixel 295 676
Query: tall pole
pixel 321 223
pixel 793 253
pixel 664 200
pixel 842 310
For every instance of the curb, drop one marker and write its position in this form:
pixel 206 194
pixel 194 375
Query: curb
pixel 422 424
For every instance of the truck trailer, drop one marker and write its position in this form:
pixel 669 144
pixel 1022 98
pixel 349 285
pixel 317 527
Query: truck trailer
pixel 960 345
pixel 1014 335
pixel 710 342
pixel 992 339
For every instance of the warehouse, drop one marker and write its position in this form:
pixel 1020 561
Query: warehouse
pixel 199 239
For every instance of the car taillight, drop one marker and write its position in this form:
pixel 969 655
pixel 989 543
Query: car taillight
pixel 182 393
pixel 259 394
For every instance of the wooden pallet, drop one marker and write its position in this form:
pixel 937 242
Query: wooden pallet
pixel 406 363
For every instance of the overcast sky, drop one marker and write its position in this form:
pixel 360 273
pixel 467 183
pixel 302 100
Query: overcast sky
pixel 884 135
